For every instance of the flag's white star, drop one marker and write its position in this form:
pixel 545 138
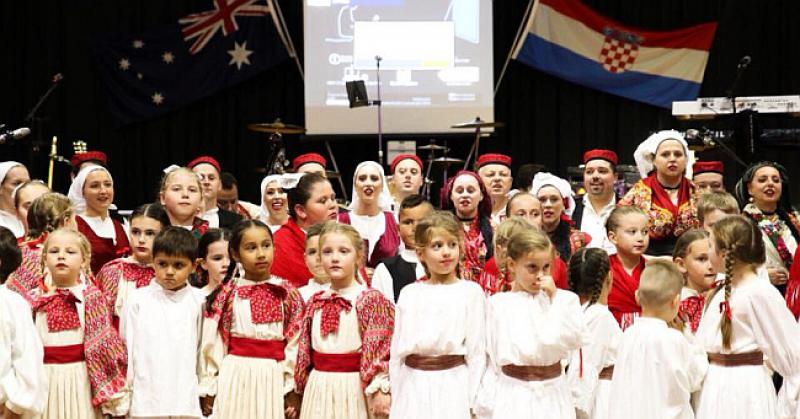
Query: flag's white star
pixel 124 64
pixel 167 57
pixel 139 76
pixel 158 98
pixel 138 43
pixel 239 55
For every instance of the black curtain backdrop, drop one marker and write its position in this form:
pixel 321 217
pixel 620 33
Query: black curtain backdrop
pixel 549 120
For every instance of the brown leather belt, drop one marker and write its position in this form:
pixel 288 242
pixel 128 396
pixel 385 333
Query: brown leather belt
pixel 736 360
pixel 434 363
pixel 532 372
pixel 607 373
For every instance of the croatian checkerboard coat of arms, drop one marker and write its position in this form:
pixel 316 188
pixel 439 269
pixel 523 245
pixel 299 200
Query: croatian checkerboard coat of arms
pixel 620 49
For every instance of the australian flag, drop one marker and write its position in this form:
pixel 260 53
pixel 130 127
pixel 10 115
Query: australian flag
pixel 171 66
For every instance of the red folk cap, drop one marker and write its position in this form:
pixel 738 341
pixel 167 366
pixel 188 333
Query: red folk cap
pixel 606 155
pixel 708 166
pixel 80 158
pixel 207 160
pixel 493 158
pixel 308 158
pixel 401 157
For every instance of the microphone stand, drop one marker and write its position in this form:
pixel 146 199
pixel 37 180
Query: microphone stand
pixel 56 79
pixel 744 62
pixel 378 103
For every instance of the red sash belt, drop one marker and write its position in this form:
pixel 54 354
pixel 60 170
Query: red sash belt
pixel 336 362
pixel 257 348
pixel 64 354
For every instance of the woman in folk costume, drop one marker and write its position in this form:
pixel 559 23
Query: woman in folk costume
pixel 555 195
pixel 47 213
pixel 181 195
pixel 24 195
pixel 12 174
pixel 249 341
pixel 466 197
pixel 528 332
pixel 343 360
pixel 664 192
pixel 764 190
pixel 371 213
pixel 274 208
pixel 745 329
pixel 311 201
pixel 439 346
pixel 121 276
pixel 85 358
pixel 92 194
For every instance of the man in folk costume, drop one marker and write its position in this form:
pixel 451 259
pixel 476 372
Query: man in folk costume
pixel 87 158
pixel 495 172
pixel 708 176
pixel 591 212
pixel 310 163
pixel 209 170
pixel 228 198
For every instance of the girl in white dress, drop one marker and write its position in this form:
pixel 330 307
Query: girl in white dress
pixel 592 366
pixel 249 339
pixel 438 348
pixel 23 383
pixel 530 330
pixel 319 280
pixel 212 260
pixel 343 359
pixel 746 330
pixel 84 356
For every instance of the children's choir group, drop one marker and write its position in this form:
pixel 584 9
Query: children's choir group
pixel 676 300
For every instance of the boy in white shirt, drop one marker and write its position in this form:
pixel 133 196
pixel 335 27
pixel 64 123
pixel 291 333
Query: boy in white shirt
pixel 394 273
pixel 656 369
pixel 161 327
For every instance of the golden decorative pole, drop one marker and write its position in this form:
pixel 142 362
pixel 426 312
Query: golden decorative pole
pixel 53 153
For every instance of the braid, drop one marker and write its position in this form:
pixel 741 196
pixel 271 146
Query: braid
pixel 725 325
pixel 588 268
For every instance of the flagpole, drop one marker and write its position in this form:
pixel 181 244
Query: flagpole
pixel 287 38
pixel 523 24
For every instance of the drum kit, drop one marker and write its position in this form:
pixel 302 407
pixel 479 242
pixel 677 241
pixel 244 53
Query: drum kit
pixel 278 163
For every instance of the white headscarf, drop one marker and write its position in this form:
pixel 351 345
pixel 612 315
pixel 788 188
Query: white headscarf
pixel 543 179
pixel 75 194
pixel 6 166
pixel 646 151
pixel 285 181
pixel 384 199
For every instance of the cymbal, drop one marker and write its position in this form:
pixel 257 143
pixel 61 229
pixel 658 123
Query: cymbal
pixel 448 161
pixel 478 123
pixel 431 147
pixel 276 127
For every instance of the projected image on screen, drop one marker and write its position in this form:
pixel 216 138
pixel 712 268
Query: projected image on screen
pixel 436 63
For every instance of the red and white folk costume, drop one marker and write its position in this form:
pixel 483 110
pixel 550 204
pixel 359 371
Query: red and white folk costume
pixel 621 299
pixel 29 274
pixel 85 358
pixel 118 278
pixel 106 236
pixel 249 346
pixel 344 352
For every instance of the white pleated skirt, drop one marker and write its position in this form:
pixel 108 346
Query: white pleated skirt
pixel 69 394
pixel 742 392
pixel 519 399
pixel 334 395
pixel 600 409
pixel 418 394
pixel 249 388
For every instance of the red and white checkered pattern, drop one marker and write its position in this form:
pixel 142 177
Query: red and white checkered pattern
pixel 618 56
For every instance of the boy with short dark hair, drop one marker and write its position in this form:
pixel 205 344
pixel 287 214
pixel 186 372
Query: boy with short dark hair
pixel 656 369
pixel 161 327
pixel 394 273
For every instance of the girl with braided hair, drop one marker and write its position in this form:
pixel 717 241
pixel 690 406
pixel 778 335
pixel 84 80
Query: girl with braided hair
pixel 691 258
pixel 746 322
pixel 592 366
pixel 529 331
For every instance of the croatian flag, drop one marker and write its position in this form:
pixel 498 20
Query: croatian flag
pixel 570 40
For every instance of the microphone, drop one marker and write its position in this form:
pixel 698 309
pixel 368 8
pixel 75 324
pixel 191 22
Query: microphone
pixel 744 62
pixel 14 135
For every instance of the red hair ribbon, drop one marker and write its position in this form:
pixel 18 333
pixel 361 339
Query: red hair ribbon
pixel 725 309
